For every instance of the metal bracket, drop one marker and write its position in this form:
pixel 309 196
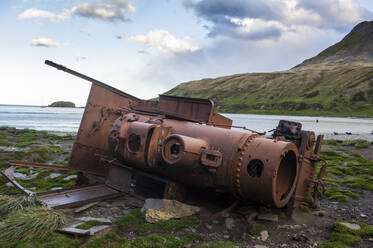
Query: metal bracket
pixel 211 158
pixel 9 174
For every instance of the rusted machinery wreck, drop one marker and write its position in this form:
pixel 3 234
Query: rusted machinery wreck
pixel 181 142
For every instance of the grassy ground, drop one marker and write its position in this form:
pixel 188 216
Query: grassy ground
pixel 37 147
pixel 347 169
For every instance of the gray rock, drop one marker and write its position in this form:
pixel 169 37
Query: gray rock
pixel 163 209
pixel 226 236
pixel 208 226
pixel 19 175
pixel 24 176
pixel 268 217
pixel 56 188
pixel 289 227
pixel 103 220
pixel 53 175
pixel 9 184
pixel 251 216
pixel 99 231
pixel 350 225
pixel 70 177
pixel 260 246
pixel 264 235
pixel 229 223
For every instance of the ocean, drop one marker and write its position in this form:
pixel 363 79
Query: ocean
pixel 67 120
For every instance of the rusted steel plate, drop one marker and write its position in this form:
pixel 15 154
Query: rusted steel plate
pixel 78 196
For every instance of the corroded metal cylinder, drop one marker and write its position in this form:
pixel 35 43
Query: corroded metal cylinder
pixel 250 166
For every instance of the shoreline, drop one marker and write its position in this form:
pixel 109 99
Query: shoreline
pixel 250 112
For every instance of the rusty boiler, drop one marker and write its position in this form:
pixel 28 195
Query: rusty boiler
pixel 183 141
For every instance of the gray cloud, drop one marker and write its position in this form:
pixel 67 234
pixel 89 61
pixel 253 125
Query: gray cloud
pixel 270 19
pixel 101 12
pixel 143 51
pixel 78 57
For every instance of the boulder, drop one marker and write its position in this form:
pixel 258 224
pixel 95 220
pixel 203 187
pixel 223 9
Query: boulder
pixel 156 210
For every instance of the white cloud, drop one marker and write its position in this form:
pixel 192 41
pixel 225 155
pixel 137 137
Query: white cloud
pixel 164 41
pixel 44 42
pixel 105 10
pixel 42 14
pixel 102 12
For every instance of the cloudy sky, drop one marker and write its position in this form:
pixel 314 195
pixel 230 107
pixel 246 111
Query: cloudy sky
pixel 146 47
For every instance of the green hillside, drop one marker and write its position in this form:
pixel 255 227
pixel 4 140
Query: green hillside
pixel 337 82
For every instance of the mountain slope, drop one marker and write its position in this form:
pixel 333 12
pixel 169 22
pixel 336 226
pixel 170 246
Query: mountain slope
pixel 336 82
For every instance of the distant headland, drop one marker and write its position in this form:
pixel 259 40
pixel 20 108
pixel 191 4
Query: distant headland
pixel 62 104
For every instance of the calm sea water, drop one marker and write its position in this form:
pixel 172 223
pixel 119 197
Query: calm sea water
pixel 68 119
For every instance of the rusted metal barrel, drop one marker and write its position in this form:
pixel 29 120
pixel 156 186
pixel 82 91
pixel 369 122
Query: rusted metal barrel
pixel 250 166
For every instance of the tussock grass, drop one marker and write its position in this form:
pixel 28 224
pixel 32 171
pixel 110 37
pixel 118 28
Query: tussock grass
pixel 9 205
pixel 30 223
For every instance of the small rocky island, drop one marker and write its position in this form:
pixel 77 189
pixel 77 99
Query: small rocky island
pixel 62 104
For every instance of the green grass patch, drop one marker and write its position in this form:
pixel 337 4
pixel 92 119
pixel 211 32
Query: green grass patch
pixel 357 143
pixel 332 244
pixel 345 237
pixel 334 192
pixel 254 231
pixel 133 221
pixel 365 230
pixel 5 142
pixel 55 149
pixel 360 182
pixel 51 240
pixel 110 240
pixel 113 240
pixel 41 183
pixel 88 224
pixel 304 209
